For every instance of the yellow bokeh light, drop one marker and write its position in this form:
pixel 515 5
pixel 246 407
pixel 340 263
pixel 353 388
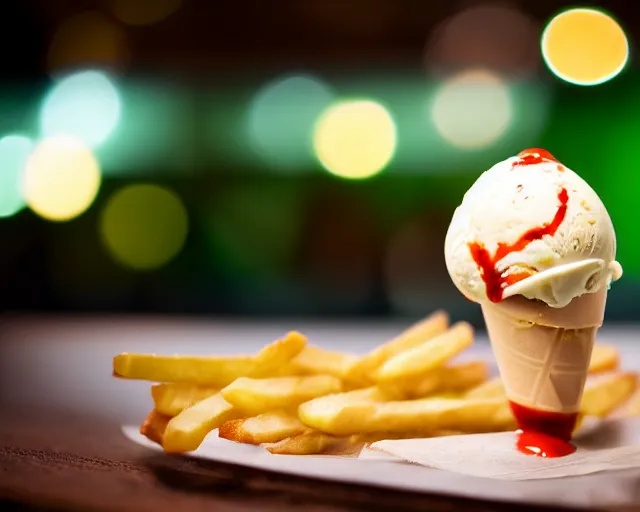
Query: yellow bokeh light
pixel 144 226
pixel 472 110
pixel 355 139
pixel 585 47
pixel 61 178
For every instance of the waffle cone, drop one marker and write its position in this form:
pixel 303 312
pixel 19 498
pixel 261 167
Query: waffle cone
pixel 543 353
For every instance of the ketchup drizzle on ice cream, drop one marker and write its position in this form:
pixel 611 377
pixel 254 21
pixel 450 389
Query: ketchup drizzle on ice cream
pixel 533 156
pixel 492 277
pixel 543 433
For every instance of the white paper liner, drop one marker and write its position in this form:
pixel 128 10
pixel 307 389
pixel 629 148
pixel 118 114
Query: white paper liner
pixel 611 446
pixel 607 488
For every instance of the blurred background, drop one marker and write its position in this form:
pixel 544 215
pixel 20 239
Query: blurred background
pixel 295 158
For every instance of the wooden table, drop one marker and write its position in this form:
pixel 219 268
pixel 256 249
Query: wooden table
pixel 50 461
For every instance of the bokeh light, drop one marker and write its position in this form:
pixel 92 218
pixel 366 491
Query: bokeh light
pixel 14 152
pixel 281 117
pixel 88 39
pixel 143 12
pixel 144 226
pixel 61 178
pixel 473 109
pixel 85 105
pixel 585 46
pixel 355 139
pixel 495 36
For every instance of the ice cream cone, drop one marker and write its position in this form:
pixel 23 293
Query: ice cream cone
pixel 543 353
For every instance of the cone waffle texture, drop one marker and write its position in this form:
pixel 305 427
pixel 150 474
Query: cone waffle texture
pixel 543 353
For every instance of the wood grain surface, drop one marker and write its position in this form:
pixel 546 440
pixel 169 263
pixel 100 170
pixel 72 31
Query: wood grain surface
pixel 53 461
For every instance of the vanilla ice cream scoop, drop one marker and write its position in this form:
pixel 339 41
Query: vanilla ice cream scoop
pixel 530 226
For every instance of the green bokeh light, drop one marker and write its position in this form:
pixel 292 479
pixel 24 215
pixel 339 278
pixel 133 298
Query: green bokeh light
pixel 14 152
pixel 281 117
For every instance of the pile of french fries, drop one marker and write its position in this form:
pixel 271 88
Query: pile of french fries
pixel 296 398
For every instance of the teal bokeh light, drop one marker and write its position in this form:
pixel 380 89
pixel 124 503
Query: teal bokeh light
pixel 85 104
pixel 281 118
pixel 14 152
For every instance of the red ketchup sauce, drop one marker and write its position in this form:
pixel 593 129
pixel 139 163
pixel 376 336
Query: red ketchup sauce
pixel 492 277
pixel 541 433
pixel 533 156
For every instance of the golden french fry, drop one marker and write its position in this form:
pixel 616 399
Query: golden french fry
pixel 630 408
pixel 314 360
pixel 363 369
pixel 288 369
pixel 370 394
pixel 207 371
pixel 280 352
pixel 256 396
pixel 186 431
pixel 346 418
pixel 313 442
pixel 428 356
pixel 491 389
pixel 446 380
pixel 604 358
pixel 213 371
pixel 154 426
pixel 606 393
pixel 269 427
pixel 171 399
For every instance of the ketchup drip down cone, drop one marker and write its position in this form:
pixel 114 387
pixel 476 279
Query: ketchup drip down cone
pixel 533 244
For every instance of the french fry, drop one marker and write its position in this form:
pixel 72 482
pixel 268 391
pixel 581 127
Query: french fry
pixel 491 389
pixel 446 380
pixel 427 356
pixel 604 358
pixel 213 371
pixel 288 369
pixel 363 369
pixel 256 396
pixel 186 431
pixel 277 354
pixel 206 371
pixel 631 408
pixel 269 427
pixel 314 360
pixel 313 442
pixel 171 399
pixel 154 426
pixel 342 418
pixel 366 395
pixel 605 394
